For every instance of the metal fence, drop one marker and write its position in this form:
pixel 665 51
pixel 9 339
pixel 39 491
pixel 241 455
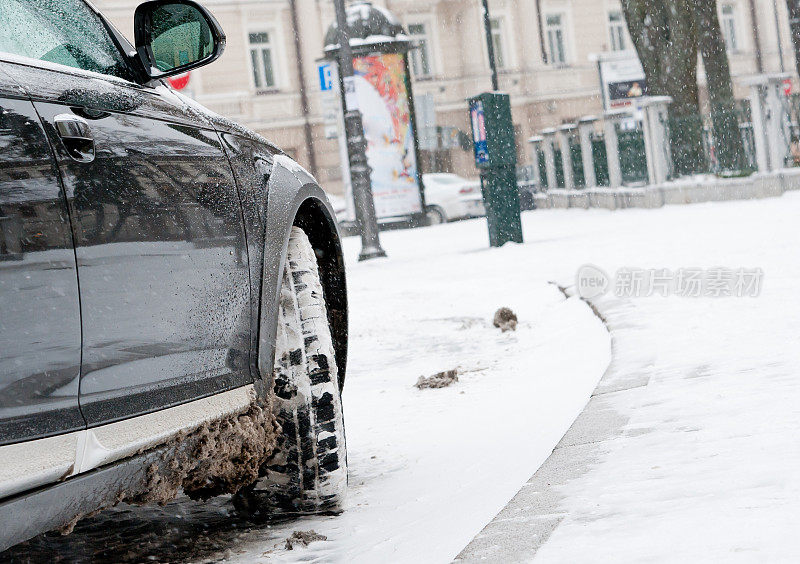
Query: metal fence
pixel 694 149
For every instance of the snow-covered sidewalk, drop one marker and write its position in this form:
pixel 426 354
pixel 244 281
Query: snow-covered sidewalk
pixel 688 451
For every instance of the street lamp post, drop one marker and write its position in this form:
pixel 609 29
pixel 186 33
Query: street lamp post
pixel 356 147
pixel 487 25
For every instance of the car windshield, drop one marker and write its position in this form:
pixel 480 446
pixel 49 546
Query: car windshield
pixel 66 32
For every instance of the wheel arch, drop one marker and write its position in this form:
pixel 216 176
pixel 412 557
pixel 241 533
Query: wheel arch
pixel 438 208
pixel 295 199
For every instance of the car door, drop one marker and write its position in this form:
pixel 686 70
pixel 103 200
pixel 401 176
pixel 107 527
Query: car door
pixel 40 333
pixel 157 224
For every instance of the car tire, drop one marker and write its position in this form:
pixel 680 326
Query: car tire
pixel 307 472
pixel 434 215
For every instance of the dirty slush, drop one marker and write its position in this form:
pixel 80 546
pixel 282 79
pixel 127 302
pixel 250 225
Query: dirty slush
pixel 219 457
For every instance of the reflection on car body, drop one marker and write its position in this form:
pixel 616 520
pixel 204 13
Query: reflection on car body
pixel 141 260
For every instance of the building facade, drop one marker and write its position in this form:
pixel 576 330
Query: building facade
pixel 544 51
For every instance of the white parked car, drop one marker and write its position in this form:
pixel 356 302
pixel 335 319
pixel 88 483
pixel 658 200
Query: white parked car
pixel 339 205
pixel 449 196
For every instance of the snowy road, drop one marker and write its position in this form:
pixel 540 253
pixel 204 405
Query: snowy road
pixel 705 463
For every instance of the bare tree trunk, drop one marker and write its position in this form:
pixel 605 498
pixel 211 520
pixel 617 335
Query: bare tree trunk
pixel 665 36
pixel 751 4
pixel 727 136
pixel 794 25
pixel 301 80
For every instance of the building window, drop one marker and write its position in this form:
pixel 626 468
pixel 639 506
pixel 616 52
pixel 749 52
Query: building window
pixel 261 60
pixel 421 55
pixel 555 39
pixel 497 42
pixel 728 24
pixel 616 30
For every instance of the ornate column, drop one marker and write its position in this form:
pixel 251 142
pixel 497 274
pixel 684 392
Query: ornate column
pixel 549 135
pixel 563 134
pixel 585 130
pixel 610 124
pixel 535 143
pixel 656 137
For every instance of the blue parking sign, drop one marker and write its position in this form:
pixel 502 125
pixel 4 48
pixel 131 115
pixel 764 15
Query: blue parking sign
pixel 326 76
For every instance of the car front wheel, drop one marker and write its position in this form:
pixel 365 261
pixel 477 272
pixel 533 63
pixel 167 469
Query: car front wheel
pixel 307 473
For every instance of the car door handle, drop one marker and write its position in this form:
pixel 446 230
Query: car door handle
pixel 73 127
pixel 76 135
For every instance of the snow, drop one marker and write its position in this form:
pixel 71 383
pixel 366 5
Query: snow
pixel 377 40
pixel 706 467
pixel 702 398
pixel 429 468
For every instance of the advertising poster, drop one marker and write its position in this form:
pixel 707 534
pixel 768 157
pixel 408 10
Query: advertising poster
pixel 623 79
pixel 384 104
pixel 478 119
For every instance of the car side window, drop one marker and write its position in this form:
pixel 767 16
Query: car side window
pixel 66 32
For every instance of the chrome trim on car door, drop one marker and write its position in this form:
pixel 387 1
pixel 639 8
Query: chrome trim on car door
pixel 31 464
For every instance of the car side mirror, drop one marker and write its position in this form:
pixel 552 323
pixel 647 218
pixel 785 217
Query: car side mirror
pixel 174 36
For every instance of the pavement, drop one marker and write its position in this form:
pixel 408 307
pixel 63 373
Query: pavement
pixel 527 522
pixel 687 449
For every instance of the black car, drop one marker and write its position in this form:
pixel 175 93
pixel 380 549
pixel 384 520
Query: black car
pixel 173 310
